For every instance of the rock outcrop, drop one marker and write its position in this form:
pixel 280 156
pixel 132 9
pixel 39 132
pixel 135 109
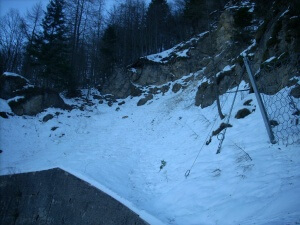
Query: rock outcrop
pixel 10 83
pixel 25 99
pixel 241 29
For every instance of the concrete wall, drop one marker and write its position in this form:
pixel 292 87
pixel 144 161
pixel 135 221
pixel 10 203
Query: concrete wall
pixel 57 197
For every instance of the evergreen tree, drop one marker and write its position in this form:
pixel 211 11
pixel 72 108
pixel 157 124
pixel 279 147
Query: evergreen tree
pixel 194 12
pixel 199 14
pixel 54 52
pixel 158 16
pixel 108 52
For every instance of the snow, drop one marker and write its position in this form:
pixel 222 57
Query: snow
pixel 202 34
pixel 15 99
pixel 159 57
pixel 133 70
pixel 9 74
pixel 183 53
pixel 4 107
pixel 294 17
pixel 225 69
pixel 144 215
pixel 244 53
pixel 177 51
pixel 285 12
pixel 270 59
pixel 120 152
pixel 228 68
pixel 241 4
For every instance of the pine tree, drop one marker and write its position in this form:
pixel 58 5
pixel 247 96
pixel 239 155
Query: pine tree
pixel 108 52
pixel 54 55
pixel 194 12
pixel 158 16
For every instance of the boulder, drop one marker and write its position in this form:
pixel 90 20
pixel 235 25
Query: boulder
pixel 4 115
pixel 295 92
pixel 143 101
pixel 25 99
pixel 47 117
pixel 37 100
pixel 10 83
pixel 121 103
pixel 165 88
pixel 176 87
pixel 248 102
pixel 205 96
pixel 242 113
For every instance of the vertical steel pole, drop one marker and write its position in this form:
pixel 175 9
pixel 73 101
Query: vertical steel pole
pixel 259 101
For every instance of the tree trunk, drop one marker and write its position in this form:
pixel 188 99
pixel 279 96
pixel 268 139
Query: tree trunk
pixel 214 66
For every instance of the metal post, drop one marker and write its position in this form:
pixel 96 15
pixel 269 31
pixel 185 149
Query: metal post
pixel 259 101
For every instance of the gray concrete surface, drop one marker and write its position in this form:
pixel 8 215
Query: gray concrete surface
pixel 57 197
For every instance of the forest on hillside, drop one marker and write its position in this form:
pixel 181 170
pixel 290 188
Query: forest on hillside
pixel 78 43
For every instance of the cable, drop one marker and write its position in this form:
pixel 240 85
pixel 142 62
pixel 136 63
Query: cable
pixel 228 118
pixel 187 173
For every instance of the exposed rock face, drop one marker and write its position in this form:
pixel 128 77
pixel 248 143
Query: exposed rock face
pixel 119 85
pixel 204 96
pixel 147 72
pixel 226 30
pixel 275 62
pixel 24 99
pixel 277 36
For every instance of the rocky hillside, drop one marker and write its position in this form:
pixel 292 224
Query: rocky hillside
pixel 268 33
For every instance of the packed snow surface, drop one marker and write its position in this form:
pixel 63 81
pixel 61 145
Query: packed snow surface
pixel 122 152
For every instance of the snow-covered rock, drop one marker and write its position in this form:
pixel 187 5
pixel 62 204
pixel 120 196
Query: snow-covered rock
pixel 25 99
pixel 10 83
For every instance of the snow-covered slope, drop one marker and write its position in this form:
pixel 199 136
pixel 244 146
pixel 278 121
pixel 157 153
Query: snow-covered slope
pixel 121 152
pixel 179 51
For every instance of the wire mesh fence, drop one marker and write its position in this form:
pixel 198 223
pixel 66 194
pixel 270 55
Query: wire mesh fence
pixel 278 81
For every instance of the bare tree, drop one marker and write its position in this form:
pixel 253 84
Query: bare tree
pixel 96 26
pixel 31 26
pixel 11 41
pixel 217 91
